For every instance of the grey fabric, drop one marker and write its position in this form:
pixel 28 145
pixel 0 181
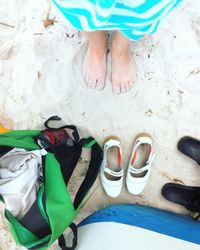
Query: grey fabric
pixel 20 171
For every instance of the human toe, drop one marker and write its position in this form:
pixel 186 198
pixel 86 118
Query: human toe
pixel 123 87
pixel 100 84
pixel 116 88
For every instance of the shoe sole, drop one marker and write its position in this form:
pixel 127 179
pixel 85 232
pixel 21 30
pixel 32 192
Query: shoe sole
pixel 111 138
pixel 143 135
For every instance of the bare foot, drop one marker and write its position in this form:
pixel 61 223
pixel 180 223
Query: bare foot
pixel 94 67
pixel 123 65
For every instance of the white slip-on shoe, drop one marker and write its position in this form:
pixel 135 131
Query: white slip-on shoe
pixel 112 168
pixel 139 168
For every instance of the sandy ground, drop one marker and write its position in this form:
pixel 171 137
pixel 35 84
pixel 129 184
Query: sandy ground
pixel 40 75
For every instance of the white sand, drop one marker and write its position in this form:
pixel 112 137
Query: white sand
pixel 40 75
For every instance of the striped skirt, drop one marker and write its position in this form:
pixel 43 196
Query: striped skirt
pixel 133 18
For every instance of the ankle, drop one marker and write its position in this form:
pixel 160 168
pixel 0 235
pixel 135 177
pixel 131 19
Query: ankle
pixel 97 38
pixel 120 44
pixel 120 50
pixel 98 49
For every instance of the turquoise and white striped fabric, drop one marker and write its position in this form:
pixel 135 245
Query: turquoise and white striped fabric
pixel 133 18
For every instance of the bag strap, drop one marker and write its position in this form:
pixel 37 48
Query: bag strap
pixel 72 127
pixel 62 242
pixel 93 169
pixel 91 175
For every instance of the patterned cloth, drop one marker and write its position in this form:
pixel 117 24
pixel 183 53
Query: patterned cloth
pixel 133 18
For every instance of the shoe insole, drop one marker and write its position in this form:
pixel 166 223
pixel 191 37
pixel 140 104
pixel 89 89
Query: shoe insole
pixel 113 158
pixel 140 159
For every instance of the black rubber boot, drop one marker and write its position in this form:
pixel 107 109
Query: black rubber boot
pixel 190 147
pixel 186 196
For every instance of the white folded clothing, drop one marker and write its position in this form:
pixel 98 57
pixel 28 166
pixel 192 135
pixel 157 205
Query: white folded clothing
pixel 20 173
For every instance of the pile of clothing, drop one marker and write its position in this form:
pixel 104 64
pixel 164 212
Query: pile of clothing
pixel 20 179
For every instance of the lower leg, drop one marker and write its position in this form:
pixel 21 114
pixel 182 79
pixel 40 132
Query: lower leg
pixel 95 61
pixel 123 64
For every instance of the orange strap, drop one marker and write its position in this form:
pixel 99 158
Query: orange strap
pixel 134 157
pixel 119 158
